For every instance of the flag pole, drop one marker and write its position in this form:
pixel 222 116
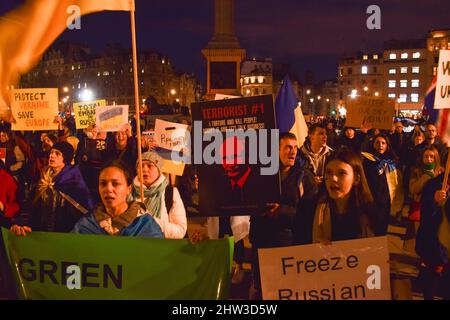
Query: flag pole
pixel 447 170
pixel 136 100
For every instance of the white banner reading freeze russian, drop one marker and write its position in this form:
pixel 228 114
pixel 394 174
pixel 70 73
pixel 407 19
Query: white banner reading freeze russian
pixel 344 270
pixel 442 97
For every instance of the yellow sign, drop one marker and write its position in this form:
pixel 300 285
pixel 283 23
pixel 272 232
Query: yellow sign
pixel 344 270
pixel 34 109
pixel 111 118
pixel 372 112
pixel 85 112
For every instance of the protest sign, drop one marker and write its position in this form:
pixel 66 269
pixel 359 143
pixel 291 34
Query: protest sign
pixel 3 155
pixel 344 270
pixel 372 112
pixel 231 168
pixel 442 98
pixel 34 109
pixel 172 137
pixel 85 112
pixel 111 118
pixel 118 267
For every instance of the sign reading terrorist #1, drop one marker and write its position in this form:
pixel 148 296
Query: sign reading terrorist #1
pixel 235 150
pixel 85 112
pixel 344 270
pixel 34 109
pixel 112 118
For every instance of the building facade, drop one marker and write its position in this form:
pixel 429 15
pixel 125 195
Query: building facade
pixel 80 75
pixel 403 71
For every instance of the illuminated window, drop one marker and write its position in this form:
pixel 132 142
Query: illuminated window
pixel 142 71
pixel 415 83
pixel 416 55
pixel 414 97
pixel 260 79
pixel 434 71
pixel 392 71
pixel 403 97
pixel 415 69
pixel 403 83
pixel 364 69
pixel 404 55
pixel 404 70
pixel 247 80
pixel 73 67
pixel 365 57
pixel 392 83
pixel 391 95
pixel 375 57
pixel 105 73
pixel 393 56
pixel 98 74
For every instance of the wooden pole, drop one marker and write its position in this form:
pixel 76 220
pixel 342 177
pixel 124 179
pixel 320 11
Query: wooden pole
pixel 447 171
pixel 136 101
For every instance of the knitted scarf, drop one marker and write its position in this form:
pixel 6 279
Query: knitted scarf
pixel 114 225
pixel 152 196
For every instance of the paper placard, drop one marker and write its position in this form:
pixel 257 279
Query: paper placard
pixel 442 97
pixel 85 112
pixel 34 109
pixel 372 112
pixel 111 118
pixel 344 270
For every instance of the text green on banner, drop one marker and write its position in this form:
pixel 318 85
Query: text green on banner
pixel 47 264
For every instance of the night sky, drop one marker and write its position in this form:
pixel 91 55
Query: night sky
pixel 306 34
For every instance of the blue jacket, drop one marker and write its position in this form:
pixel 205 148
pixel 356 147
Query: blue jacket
pixel 428 246
pixel 142 226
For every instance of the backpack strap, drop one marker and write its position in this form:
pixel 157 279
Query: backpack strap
pixel 168 197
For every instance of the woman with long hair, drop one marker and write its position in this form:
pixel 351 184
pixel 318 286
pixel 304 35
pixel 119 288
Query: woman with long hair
pixel 345 210
pixel 385 180
pixel 428 167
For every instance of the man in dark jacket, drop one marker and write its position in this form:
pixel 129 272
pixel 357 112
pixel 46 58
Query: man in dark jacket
pixel 275 227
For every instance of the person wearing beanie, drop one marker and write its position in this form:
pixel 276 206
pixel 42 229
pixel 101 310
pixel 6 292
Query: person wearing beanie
pixel 161 199
pixel 60 197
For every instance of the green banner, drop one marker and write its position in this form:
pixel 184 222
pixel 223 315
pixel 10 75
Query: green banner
pixel 71 266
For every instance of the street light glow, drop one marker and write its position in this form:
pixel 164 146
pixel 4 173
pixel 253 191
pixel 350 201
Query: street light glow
pixel 66 89
pixel 86 95
pixel 308 91
pixel 172 92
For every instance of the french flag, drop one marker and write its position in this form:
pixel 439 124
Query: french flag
pixel 289 115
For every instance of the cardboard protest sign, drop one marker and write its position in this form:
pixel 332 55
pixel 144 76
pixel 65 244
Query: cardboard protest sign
pixel 3 155
pixel 111 118
pixel 373 112
pixel 235 149
pixel 85 112
pixel 172 137
pixel 34 109
pixel 344 270
pixel 442 97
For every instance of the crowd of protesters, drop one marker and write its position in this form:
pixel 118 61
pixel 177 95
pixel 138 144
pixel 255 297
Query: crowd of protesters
pixel 343 183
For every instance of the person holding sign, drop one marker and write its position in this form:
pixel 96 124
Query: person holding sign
pixel 60 197
pixel 124 148
pixel 345 211
pixel 114 216
pixel 385 180
pixel 434 216
pixel 162 200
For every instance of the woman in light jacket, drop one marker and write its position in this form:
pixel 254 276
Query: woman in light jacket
pixel 162 200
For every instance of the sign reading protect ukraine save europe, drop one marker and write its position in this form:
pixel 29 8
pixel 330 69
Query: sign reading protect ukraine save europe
pixel 72 266
pixel 34 109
